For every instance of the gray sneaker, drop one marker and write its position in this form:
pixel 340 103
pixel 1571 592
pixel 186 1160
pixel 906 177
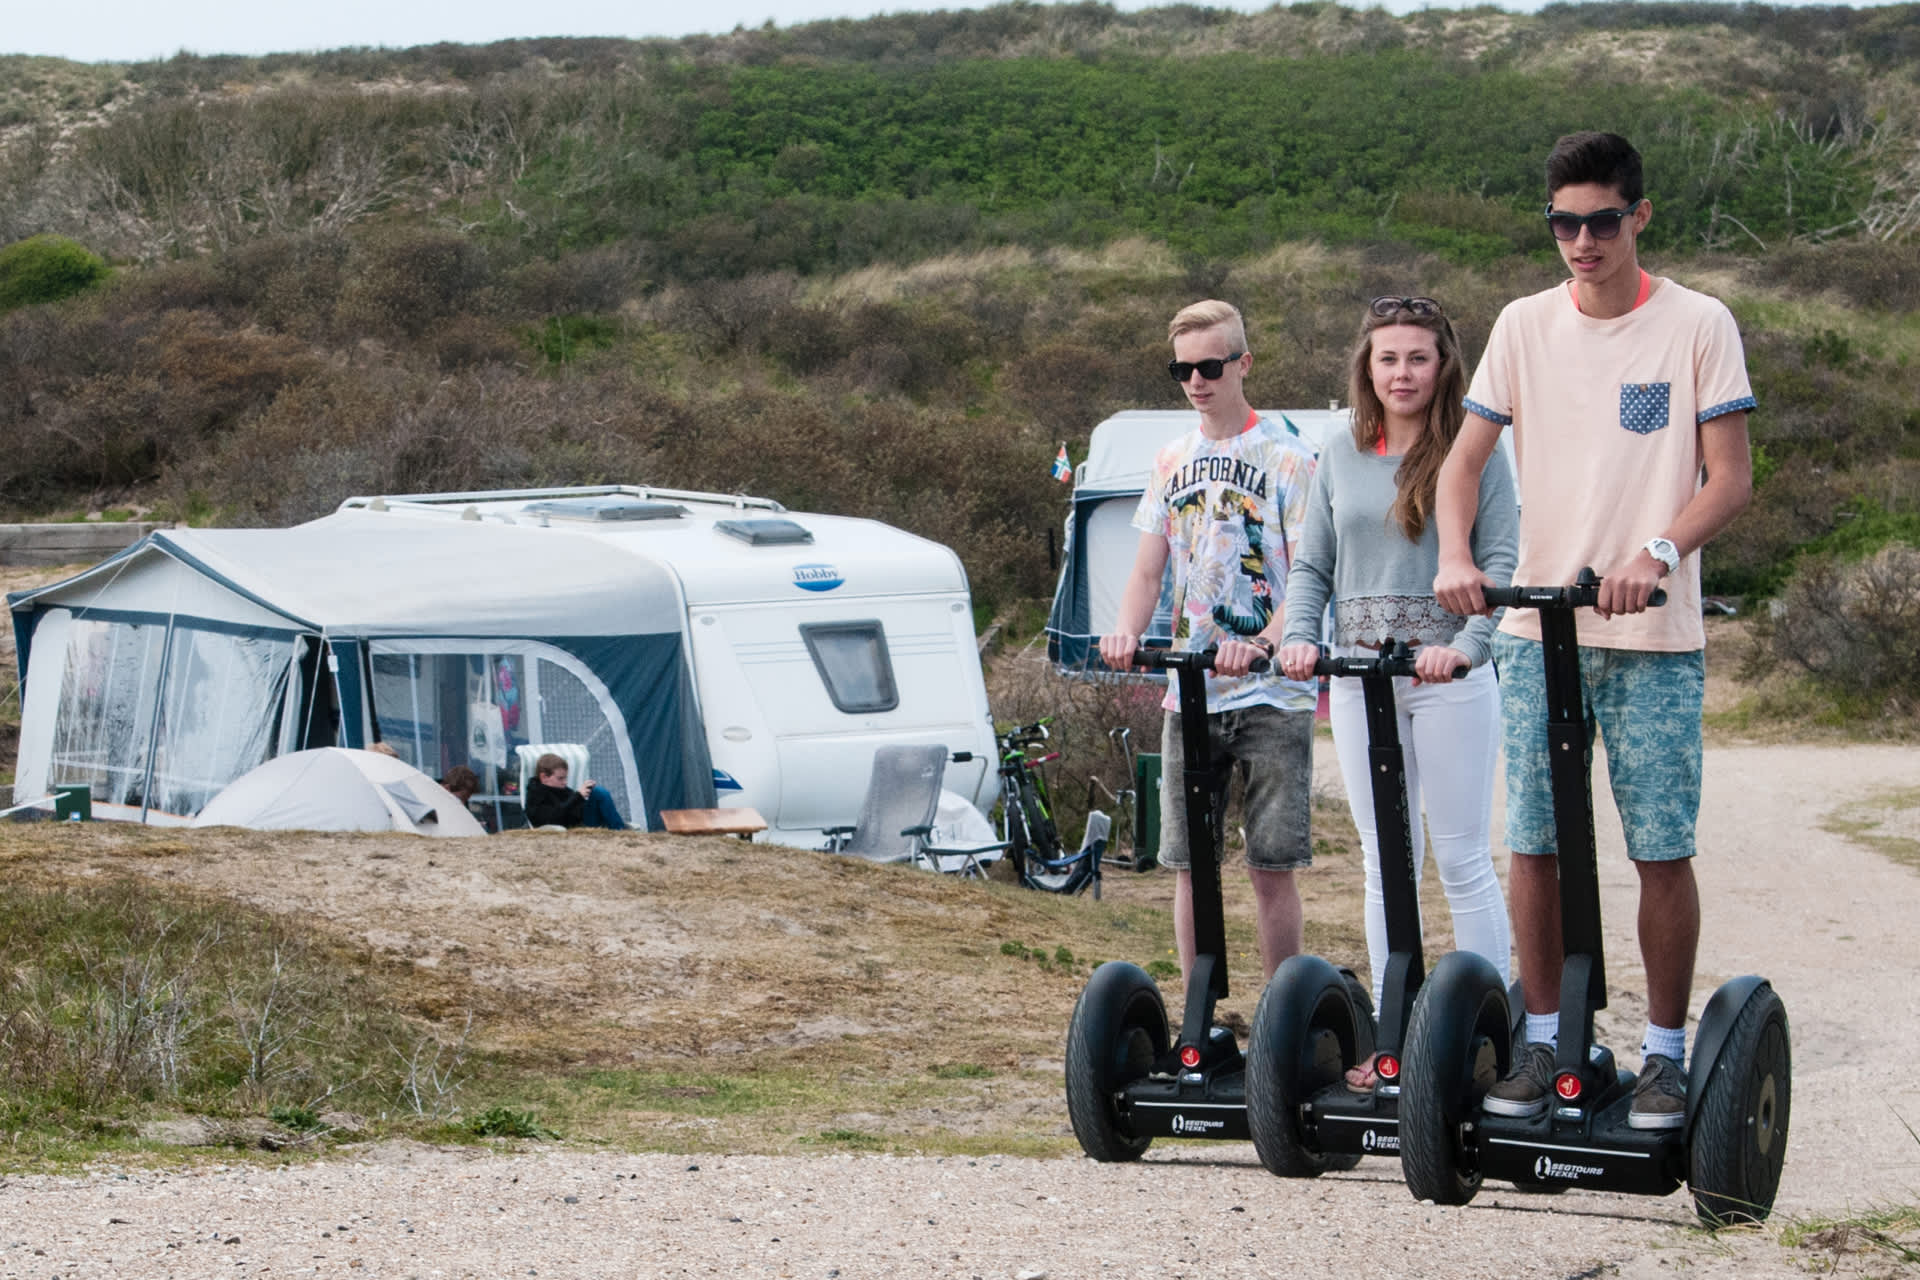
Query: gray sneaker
pixel 1525 1090
pixel 1659 1096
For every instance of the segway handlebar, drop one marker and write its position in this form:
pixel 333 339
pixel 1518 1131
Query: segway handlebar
pixel 1394 659
pixel 1197 659
pixel 1583 594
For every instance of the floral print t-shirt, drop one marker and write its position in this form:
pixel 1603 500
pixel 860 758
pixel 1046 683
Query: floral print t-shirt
pixel 1232 512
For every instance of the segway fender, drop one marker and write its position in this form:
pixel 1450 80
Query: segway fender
pixel 1716 1024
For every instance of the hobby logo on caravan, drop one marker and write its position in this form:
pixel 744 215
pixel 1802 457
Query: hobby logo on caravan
pixel 1374 1140
pixel 1182 1124
pixel 816 577
pixel 1547 1167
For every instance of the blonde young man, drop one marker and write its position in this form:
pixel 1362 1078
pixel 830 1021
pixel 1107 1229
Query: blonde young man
pixel 1622 390
pixel 1225 506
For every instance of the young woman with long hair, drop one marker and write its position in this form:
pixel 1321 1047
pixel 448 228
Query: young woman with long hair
pixel 1371 547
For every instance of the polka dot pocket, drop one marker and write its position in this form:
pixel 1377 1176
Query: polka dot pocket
pixel 1643 406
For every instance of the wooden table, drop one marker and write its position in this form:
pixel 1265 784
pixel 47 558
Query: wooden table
pixel 741 822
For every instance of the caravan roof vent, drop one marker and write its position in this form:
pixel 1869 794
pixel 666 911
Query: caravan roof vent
pixel 765 533
pixel 605 508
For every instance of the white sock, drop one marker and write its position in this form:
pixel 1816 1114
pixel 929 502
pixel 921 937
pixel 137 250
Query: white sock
pixel 1668 1042
pixel 1544 1028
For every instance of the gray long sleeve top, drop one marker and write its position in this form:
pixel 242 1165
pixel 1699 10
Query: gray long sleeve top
pixel 1382 583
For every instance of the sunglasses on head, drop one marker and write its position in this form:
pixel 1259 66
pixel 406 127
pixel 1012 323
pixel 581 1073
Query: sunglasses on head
pixel 1182 370
pixel 1385 307
pixel 1604 224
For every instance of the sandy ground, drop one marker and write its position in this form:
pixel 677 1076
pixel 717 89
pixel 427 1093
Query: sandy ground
pixel 1827 919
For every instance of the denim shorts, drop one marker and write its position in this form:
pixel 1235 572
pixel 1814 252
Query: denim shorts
pixel 1646 707
pixel 1272 754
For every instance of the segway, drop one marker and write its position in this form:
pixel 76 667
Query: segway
pixel 1731 1146
pixel 1126 1084
pixel 1315 1021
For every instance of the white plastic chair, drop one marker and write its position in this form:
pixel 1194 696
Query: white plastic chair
pixel 528 757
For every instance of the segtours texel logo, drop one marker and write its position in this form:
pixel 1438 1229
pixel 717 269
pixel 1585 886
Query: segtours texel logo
pixel 1547 1167
pixel 816 577
pixel 1187 1124
pixel 1374 1140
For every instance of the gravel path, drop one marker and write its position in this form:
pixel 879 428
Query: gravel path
pixel 1818 913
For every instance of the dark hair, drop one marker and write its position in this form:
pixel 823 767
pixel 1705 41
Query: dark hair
pixel 1604 159
pixel 1419 473
pixel 460 778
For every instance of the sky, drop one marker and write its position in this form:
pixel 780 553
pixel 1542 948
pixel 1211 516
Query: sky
pixel 133 30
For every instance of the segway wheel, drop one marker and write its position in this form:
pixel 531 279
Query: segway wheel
pixel 1312 1023
pixel 1119 1028
pixel 1459 1044
pixel 1740 1118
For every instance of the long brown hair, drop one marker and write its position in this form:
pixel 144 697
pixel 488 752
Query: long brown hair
pixel 1419 473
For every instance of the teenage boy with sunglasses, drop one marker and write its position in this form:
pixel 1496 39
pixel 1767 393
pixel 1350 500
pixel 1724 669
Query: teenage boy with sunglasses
pixel 1225 505
pixel 1621 389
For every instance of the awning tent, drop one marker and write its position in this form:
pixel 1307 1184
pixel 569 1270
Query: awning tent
pixel 160 675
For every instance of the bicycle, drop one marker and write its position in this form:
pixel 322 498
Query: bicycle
pixel 1026 817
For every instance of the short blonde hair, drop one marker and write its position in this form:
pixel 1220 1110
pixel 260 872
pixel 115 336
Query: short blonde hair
pixel 1211 314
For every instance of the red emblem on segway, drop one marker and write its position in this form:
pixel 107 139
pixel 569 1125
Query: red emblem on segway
pixel 1567 1085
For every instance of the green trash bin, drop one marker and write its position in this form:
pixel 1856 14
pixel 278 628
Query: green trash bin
pixel 73 803
pixel 1146 810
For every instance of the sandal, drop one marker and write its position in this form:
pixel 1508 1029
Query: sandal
pixel 1362 1078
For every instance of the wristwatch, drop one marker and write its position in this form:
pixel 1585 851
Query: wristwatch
pixel 1663 550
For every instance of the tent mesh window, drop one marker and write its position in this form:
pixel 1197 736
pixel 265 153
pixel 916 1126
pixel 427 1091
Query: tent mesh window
pixel 423 703
pixel 570 713
pixel 212 722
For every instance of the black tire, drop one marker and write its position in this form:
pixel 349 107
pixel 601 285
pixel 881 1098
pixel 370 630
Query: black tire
pixel 1307 1030
pixel 1740 1118
pixel 1119 1028
pixel 1459 1044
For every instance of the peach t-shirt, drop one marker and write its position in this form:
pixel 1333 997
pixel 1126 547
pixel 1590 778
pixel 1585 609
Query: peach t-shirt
pixel 1606 421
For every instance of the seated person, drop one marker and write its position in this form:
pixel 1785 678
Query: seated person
pixel 462 784
pixel 551 803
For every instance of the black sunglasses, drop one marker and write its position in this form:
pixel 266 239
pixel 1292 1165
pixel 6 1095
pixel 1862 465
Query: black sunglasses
pixel 1182 370
pixel 1384 307
pixel 1605 224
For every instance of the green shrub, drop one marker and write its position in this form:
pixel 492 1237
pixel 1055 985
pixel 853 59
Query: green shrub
pixel 47 268
pixel 1853 626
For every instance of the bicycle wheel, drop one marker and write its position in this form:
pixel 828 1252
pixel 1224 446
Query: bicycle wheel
pixel 1043 847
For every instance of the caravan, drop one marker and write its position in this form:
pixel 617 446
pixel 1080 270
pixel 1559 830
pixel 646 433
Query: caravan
pixel 706 649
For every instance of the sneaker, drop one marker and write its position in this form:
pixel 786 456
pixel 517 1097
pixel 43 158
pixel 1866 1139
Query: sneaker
pixel 1659 1096
pixel 1525 1090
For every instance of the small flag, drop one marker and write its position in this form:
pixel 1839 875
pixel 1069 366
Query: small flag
pixel 1062 469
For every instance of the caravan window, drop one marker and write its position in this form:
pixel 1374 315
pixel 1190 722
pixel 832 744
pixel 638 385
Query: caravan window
pixel 165 726
pixel 852 660
pixel 439 704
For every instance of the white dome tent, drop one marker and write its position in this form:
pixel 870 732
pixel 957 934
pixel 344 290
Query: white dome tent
pixel 339 789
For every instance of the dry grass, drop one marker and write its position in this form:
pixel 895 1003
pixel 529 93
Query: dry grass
pixel 667 993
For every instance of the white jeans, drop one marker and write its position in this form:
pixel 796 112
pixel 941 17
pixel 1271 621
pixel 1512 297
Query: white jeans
pixel 1450 740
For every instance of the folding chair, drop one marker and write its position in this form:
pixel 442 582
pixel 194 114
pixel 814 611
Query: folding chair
pixel 896 817
pixel 528 756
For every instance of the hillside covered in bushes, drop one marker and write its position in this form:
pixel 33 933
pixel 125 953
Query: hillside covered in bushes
pixel 885 267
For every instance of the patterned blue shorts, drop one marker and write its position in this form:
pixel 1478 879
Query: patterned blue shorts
pixel 1646 707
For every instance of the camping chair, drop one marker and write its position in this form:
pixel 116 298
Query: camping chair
pixel 897 816
pixel 529 755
